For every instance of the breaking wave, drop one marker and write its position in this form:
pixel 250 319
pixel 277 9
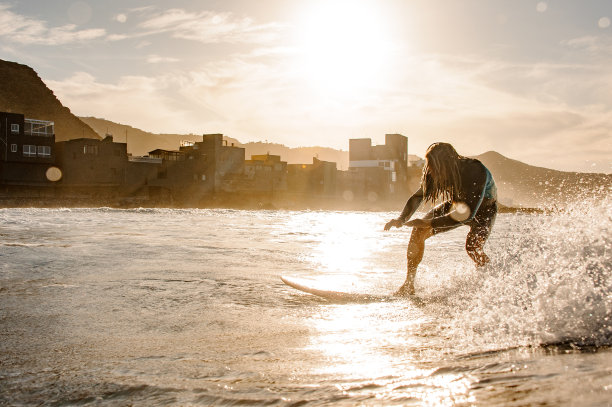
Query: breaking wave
pixel 549 282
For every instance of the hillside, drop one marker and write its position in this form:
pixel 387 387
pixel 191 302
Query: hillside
pixel 23 91
pixel 299 155
pixel 526 185
pixel 141 142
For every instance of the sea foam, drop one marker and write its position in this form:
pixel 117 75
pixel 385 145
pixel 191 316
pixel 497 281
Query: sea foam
pixel 549 282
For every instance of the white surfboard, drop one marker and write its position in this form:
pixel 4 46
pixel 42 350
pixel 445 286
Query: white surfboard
pixel 335 296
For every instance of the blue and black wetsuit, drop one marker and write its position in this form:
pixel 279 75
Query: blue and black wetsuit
pixel 478 192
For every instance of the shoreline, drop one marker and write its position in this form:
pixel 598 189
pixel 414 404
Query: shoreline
pixel 247 204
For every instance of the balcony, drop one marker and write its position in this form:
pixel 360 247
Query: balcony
pixel 34 127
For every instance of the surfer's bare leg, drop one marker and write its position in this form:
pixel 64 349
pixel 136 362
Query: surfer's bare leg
pixel 474 245
pixel 479 232
pixel 414 254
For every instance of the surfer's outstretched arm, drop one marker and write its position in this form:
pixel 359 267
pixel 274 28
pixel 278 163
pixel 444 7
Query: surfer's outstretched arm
pixel 419 223
pixel 411 206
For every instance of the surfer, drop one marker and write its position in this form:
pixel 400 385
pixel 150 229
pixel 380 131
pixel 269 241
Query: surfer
pixel 469 197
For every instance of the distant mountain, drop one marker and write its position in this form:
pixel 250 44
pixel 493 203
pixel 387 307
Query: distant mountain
pixel 299 155
pixel 141 142
pixel 23 91
pixel 522 184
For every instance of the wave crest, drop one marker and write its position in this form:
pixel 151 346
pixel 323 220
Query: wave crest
pixel 549 282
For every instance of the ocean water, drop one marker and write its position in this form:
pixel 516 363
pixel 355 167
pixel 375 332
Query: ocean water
pixel 185 307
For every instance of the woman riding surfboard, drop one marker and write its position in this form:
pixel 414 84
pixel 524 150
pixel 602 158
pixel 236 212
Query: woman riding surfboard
pixel 469 198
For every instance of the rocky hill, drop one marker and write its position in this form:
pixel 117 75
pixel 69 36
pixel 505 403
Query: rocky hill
pixel 23 91
pixel 520 184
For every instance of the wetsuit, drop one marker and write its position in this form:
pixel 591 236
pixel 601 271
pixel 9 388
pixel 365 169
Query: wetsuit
pixel 478 192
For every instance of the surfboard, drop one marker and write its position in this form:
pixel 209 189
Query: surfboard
pixel 335 296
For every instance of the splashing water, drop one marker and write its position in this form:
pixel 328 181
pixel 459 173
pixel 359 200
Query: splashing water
pixel 549 282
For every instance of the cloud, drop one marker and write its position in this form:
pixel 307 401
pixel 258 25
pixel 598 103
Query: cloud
pixel 151 103
pixel 156 59
pixel 117 37
pixel 554 85
pixel 205 27
pixel 210 27
pixel 144 102
pixel 546 114
pixel 143 44
pixel 270 52
pixel 218 97
pixel 25 30
pixel 591 43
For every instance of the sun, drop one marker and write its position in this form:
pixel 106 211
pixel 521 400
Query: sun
pixel 343 47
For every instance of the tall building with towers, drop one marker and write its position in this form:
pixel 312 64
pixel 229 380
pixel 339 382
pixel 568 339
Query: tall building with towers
pixel 381 170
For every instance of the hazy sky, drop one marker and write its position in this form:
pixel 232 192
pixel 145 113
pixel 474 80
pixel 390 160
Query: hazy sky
pixel 529 79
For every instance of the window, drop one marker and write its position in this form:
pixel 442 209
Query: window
pixel 38 127
pixel 13 148
pixel 89 149
pixel 29 150
pixel 14 128
pixel 44 151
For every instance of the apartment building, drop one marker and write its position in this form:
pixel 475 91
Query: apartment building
pixel 26 150
pixel 265 173
pixel 378 171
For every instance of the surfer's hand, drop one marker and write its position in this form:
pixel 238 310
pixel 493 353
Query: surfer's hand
pixel 419 223
pixel 393 222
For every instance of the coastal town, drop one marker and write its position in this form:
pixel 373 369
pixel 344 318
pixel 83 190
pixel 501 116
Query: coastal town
pixel 210 172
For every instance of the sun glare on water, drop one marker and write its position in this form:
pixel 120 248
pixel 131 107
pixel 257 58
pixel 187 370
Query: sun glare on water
pixel 343 47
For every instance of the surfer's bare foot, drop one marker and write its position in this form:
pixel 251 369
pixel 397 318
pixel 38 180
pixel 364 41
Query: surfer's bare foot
pixel 405 290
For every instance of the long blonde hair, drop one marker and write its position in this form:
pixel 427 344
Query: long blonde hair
pixel 441 177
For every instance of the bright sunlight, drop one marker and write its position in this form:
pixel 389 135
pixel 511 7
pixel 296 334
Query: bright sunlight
pixel 343 47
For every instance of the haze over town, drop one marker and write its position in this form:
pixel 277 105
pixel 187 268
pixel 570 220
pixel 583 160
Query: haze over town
pixel 530 79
